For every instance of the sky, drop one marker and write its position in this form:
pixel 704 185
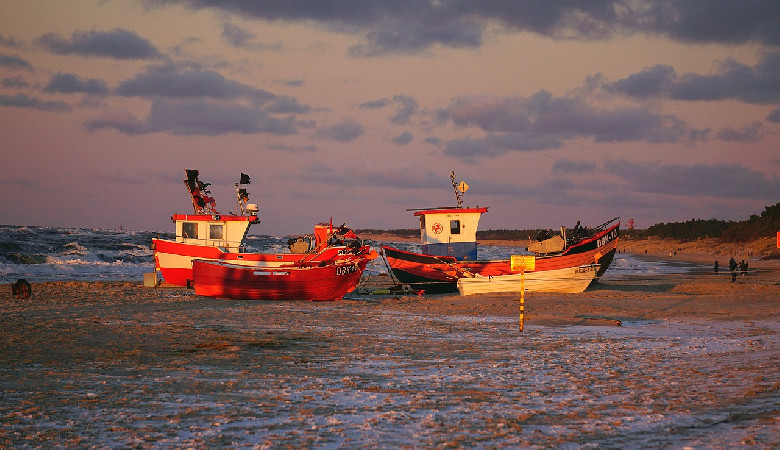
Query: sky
pixel 552 112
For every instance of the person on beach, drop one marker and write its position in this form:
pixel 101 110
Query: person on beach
pixel 716 267
pixel 733 269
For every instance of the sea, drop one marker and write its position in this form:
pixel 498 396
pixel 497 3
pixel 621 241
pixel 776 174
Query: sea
pixel 40 254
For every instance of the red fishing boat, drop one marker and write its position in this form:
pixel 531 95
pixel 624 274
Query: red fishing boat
pixel 208 235
pixel 449 249
pixel 312 281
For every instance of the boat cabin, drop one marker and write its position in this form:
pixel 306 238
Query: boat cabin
pixel 224 231
pixel 450 231
pixel 206 226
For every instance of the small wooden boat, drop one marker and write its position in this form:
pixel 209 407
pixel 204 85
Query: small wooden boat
pixel 570 280
pixel 315 281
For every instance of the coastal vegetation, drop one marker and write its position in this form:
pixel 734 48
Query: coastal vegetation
pixel 757 226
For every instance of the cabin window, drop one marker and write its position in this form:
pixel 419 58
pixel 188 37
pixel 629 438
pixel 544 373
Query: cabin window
pixel 454 226
pixel 215 232
pixel 189 230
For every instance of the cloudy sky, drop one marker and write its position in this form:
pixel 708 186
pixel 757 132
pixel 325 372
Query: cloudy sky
pixel 552 112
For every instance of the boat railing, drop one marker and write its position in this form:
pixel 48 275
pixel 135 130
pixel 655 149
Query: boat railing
pixel 606 224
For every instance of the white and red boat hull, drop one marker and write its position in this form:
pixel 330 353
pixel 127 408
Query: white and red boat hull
pixel 311 282
pixel 571 280
pixel 174 259
pixel 439 274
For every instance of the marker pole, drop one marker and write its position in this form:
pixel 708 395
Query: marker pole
pixel 522 299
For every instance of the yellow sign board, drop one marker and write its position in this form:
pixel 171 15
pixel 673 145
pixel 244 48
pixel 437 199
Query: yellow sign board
pixel 524 263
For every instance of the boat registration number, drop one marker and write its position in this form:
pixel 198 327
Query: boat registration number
pixel 346 270
pixel 584 269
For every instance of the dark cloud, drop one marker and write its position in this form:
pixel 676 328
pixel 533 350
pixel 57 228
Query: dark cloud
pixel 375 104
pixel 433 141
pixel 774 116
pixel 9 41
pixel 571 166
pixel 716 180
pixel 709 21
pixel 66 83
pixel 403 138
pixel 201 117
pixel 293 83
pixel 414 26
pixel 15 82
pixel 415 34
pixel 118 43
pixel 119 120
pixel 286 105
pixel 543 121
pixel 25 101
pixel 497 144
pixel 345 131
pixel 240 38
pixel 198 117
pixel 732 80
pixel 14 63
pixel 173 82
pixel 652 82
pixel 407 107
pixel 749 133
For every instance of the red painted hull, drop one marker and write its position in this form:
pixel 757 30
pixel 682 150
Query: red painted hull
pixel 174 259
pixel 310 282
pixel 439 274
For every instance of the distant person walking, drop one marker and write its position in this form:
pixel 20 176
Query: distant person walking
pixel 716 267
pixel 733 269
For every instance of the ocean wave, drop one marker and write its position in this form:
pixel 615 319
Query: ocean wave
pixel 51 253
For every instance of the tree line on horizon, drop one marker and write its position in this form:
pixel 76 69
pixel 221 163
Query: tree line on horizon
pixel 757 226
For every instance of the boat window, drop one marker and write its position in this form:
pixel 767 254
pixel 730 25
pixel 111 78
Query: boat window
pixel 215 232
pixel 189 230
pixel 454 226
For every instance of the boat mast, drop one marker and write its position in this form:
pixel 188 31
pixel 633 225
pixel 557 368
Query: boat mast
pixel 458 188
pixel 455 188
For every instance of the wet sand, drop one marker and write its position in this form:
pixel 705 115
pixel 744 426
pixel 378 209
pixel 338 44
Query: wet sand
pixel 663 361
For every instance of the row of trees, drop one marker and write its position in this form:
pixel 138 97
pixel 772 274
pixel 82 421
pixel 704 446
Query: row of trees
pixel 766 224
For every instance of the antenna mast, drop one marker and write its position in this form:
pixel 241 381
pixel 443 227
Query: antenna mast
pixel 455 188
pixel 458 188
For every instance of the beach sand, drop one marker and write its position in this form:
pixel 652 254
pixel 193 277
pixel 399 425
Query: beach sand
pixel 663 361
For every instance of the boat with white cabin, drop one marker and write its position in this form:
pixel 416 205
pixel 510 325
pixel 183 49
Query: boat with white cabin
pixel 207 234
pixel 448 240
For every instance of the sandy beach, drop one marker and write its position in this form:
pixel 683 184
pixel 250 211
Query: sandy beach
pixel 682 360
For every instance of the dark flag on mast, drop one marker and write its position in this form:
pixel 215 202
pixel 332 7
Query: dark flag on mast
pixel 244 179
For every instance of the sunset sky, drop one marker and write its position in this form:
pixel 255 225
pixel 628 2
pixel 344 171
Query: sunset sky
pixel 552 112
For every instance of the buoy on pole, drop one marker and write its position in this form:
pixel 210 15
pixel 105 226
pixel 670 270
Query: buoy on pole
pixel 522 263
pixel 522 299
